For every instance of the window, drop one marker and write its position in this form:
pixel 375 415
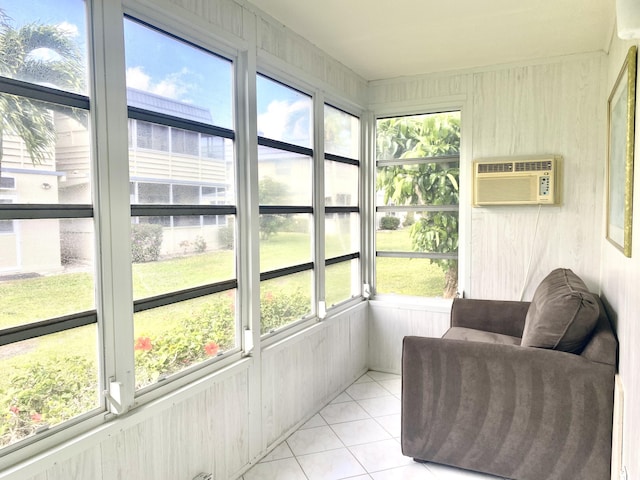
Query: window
pixel 7 183
pixel 417 180
pixel 184 263
pixel 6 226
pixel 48 316
pixel 285 193
pixel 342 214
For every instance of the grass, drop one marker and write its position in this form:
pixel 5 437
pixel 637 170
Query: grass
pixel 24 300
pixel 405 276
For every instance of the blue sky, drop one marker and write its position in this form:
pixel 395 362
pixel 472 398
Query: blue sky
pixel 160 64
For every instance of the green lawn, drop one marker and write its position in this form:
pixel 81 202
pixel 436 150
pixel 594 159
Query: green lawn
pixel 405 276
pixel 23 301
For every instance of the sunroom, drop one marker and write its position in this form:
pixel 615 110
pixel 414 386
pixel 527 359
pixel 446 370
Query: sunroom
pixel 220 218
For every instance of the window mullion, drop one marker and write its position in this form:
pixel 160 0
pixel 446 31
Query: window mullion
pixel 318 202
pixel 115 302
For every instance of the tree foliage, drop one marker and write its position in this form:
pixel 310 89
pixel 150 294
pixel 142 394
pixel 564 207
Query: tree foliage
pixel 272 192
pixel 422 183
pixel 40 54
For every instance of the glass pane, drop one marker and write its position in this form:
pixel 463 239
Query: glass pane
pixel 341 184
pixel 172 77
pixel 167 259
pixel 153 193
pixel 418 136
pixel 45 279
pixel 418 184
pixel 284 114
pixel 342 234
pixel 45 152
pixel 413 276
pixel 285 240
pixel 172 338
pixel 285 178
pixel 417 232
pixel 342 282
pixel 46 381
pixel 186 194
pixel 51 52
pixel 284 300
pixel 341 133
pixel 154 158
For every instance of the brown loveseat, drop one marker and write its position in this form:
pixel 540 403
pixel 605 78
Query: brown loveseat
pixel 480 400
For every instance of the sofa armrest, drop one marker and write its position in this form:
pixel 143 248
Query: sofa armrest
pixel 511 411
pixel 497 316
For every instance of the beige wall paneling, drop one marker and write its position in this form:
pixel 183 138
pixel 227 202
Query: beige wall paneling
pixel 416 90
pixel 303 373
pixel 42 476
pixel 279 47
pixel 225 15
pixel 204 433
pixel 86 465
pixel 390 322
pixel 552 108
pixel 619 285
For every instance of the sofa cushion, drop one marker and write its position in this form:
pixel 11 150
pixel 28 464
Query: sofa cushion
pixel 562 313
pixel 473 335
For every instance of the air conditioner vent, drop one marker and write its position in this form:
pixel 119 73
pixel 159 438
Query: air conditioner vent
pixel 495 167
pixel 523 181
pixel 534 166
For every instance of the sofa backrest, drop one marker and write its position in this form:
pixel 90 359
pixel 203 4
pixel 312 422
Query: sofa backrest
pixel 603 345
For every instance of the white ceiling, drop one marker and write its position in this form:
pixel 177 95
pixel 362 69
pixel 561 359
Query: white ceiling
pixel 385 39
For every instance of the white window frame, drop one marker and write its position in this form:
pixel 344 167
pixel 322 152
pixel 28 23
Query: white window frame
pixel 458 103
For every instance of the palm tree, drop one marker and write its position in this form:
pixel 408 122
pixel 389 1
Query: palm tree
pixel 41 54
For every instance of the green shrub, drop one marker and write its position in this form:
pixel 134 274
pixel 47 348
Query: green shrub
pixel 146 240
pixel 208 331
pixel 272 224
pixel 46 392
pixel 389 223
pixel 199 244
pixel 226 236
pixel 278 308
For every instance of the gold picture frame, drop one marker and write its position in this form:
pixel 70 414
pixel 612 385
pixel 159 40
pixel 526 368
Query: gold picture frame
pixel 621 123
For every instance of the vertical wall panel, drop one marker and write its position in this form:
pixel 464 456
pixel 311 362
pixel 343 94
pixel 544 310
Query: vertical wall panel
pixel 86 465
pixel 418 90
pixel 225 14
pixel 532 110
pixel 301 57
pixel 390 323
pixel 620 281
pixel 304 373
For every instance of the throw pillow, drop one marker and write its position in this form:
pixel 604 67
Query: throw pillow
pixel 562 314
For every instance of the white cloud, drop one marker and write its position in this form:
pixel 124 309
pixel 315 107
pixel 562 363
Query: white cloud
pixel 285 121
pixel 174 85
pixel 137 78
pixel 69 29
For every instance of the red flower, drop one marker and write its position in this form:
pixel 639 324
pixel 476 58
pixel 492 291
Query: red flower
pixel 268 296
pixel 143 343
pixel 14 409
pixel 211 348
pixel 36 417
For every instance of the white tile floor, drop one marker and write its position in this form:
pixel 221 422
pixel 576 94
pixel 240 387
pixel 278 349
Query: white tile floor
pixel 356 436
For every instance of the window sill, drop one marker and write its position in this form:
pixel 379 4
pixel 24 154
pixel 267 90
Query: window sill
pixel 431 304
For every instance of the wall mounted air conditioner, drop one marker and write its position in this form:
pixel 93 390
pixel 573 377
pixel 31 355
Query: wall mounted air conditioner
pixel 517 181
